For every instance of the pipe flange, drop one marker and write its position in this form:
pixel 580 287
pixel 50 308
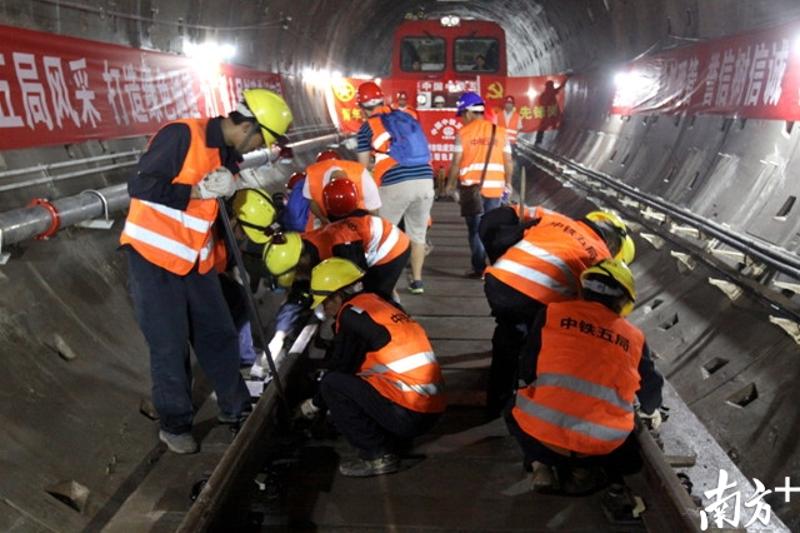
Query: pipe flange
pixel 55 220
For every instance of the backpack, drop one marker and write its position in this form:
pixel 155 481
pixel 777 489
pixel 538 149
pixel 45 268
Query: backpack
pixel 295 214
pixel 408 145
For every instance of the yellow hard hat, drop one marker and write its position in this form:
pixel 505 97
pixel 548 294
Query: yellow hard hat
pixel 332 275
pixel 613 269
pixel 255 212
pixel 627 249
pixel 281 257
pixel 270 111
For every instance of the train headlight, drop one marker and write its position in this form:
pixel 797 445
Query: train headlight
pixel 422 100
pixel 450 21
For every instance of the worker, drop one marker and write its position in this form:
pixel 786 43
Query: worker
pixel 402 169
pixel 548 101
pixel 583 364
pixel 541 268
pixel 373 243
pixel 174 254
pixel 475 164
pixel 509 118
pixel 401 104
pixel 383 385
pixel 327 166
pixel 297 213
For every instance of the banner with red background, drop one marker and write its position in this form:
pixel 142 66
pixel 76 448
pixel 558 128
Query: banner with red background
pixel 752 75
pixel 59 90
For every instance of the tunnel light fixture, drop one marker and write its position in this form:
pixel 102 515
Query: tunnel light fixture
pixel 209 50
pixel 450 21
pixel 532 93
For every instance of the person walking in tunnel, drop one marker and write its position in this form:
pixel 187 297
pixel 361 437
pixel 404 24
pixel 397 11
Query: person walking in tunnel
pixel 583 365
pixel 174 256
pixel 330 165
pixel 539 263
pixel 483 166
pixel 402 169
pixel 383 385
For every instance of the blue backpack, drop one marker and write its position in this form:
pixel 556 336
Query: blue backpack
pixel 408 145
pixel 295 215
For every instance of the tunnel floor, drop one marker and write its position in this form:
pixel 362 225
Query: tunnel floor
pixel 466 474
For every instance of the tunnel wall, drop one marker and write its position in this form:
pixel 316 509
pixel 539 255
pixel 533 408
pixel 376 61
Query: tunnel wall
pixel 76 364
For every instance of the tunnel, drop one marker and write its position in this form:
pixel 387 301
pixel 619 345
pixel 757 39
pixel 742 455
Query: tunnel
pixel 709 197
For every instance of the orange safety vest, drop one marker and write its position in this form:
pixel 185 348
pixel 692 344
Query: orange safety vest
pixel 315 174
pixel 512 128
pixel 382 240
pixel 381 142
pixel 173 239
pixel 405 370
pixel 586 379
pixel 547 262
pixel 474 140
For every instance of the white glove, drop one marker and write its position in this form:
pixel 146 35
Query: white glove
pixel 307 409
pixel 652 420
pixel 276 344
pixel 217 183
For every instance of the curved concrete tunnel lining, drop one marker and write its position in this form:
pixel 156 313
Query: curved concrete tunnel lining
pixel 543 37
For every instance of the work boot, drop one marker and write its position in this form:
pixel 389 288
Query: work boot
pixel 543 478
pixel 232 420
pixel 578 481
pixel 620 506
pixel 182 443
pixel 385 464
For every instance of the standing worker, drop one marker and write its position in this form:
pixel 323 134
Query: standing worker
pixel 329 165
pixel 583 365
pixel 401 104
pixel 543 267
pixel 508 118
pixel 384 386
pixel 402 169
pixel 477 164
pixel 173 251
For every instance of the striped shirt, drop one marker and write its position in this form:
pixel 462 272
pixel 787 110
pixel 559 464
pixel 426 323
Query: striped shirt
pixel 397 173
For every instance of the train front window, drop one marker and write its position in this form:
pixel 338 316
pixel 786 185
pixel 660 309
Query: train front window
pixel 476 54
pixel 422 54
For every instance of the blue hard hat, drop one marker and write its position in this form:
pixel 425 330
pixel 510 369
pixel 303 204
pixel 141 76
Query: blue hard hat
pixel 469 101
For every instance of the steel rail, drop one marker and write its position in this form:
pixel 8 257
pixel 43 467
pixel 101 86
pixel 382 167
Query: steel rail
pixel 778 258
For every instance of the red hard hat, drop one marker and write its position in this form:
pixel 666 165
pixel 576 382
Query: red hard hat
pixel 294 179
pixel 509 99
pixel 369 94
pixel 340 197
pixel 327 154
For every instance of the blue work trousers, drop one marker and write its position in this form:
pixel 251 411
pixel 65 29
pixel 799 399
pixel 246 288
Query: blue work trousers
pixel 172 312
pixel 475 245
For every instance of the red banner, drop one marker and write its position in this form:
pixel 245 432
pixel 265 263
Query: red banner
pixel 753 75
pixel 343 106
pixel 538 99
pixel 59 90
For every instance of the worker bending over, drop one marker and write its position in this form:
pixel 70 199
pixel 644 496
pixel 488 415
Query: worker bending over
pixel 542 267
pixel 329 165
pixel 371 242
pixel 584 365
pixel 384 386
pixel 174 256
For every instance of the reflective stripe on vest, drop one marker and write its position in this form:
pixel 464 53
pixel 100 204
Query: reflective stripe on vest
pixel 546 263
pixel 587 378
pixel 405 370
pixel 381 142
pixel 318 175
pixel 474 138
pixel 381 240
pixel 511 132
pixel 176 239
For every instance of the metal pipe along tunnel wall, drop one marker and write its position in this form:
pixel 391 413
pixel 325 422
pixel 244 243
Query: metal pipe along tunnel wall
pixel 76 369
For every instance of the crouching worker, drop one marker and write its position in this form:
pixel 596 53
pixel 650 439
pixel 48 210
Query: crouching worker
pixel 584 364
pixel 384 386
